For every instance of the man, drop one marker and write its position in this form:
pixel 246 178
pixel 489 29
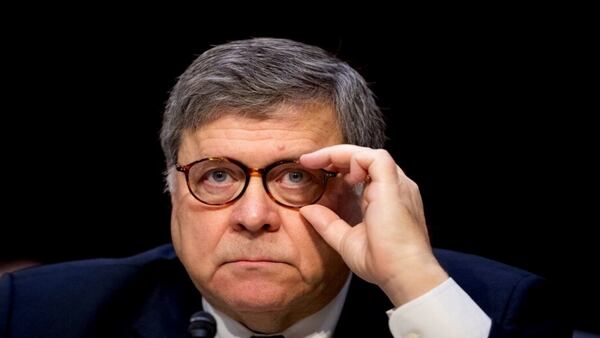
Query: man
pixel 283 205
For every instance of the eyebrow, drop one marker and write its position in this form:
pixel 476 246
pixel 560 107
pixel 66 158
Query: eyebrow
pixel 294 159
pixel 203 155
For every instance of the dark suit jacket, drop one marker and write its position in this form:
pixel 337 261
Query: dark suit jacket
pixel 150 295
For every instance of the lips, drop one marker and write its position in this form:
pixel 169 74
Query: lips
pixel 254 260
pixel 232 252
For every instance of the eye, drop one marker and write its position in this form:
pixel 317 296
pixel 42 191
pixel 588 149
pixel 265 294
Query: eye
pixel 218 176
pixel 293 177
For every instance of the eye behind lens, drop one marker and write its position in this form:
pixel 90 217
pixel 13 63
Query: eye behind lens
pixel 216 181
pixel 293 185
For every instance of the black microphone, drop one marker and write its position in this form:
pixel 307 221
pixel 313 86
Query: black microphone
pixel 202 325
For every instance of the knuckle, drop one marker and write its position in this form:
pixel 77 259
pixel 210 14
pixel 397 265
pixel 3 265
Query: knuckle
pixel 383 153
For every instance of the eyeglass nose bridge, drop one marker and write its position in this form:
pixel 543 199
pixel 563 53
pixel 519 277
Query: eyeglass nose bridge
pixel 255 172
pixel 261 173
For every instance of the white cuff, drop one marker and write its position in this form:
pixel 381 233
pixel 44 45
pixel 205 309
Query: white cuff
pixel 445 311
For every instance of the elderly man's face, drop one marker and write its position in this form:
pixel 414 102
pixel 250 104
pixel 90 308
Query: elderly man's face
pixel 254 255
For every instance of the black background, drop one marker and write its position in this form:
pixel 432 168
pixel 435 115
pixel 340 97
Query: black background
pixel 491 116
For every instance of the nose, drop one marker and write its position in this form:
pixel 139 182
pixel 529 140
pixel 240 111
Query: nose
pixel 255 211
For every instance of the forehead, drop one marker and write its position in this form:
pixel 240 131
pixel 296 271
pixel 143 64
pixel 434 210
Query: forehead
pixel 289 132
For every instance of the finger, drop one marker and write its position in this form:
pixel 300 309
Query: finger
pixel 349 156
pixel 374 165
pixel 333 156
pixel 327 223
pixel 338 158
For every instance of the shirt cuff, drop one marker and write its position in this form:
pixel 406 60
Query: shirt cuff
pixel 445 311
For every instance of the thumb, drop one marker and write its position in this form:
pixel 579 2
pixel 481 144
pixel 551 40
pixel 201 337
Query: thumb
pixel 327 223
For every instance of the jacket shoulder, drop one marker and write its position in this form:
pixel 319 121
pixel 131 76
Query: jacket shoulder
pixel 475 270
pixel 490 283
pixel 67 297
pixel 519 302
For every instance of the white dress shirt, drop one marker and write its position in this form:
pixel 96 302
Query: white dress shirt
pixel 445 311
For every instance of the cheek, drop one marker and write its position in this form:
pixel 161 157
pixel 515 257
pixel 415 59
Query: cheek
pixel 196 233
pixel 318 261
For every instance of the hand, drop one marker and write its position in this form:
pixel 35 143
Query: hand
pixel 390 246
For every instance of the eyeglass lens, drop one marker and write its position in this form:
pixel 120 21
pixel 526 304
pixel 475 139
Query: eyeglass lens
pixel 218 181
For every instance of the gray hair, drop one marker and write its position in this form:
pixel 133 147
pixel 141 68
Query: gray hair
pixel 249 77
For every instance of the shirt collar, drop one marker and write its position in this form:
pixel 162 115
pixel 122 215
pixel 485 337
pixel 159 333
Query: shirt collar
pixel 320 324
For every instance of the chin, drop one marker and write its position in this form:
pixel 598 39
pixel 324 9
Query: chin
pixel 257 296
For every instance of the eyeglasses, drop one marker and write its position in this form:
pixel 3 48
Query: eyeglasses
pixel 221 180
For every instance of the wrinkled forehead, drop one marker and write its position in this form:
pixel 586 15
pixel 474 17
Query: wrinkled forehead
pixel 288 132
pixel 291 110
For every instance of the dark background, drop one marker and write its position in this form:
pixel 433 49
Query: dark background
pixel 490 116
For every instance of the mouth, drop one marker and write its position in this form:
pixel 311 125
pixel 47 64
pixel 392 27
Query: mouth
pixel 254 262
